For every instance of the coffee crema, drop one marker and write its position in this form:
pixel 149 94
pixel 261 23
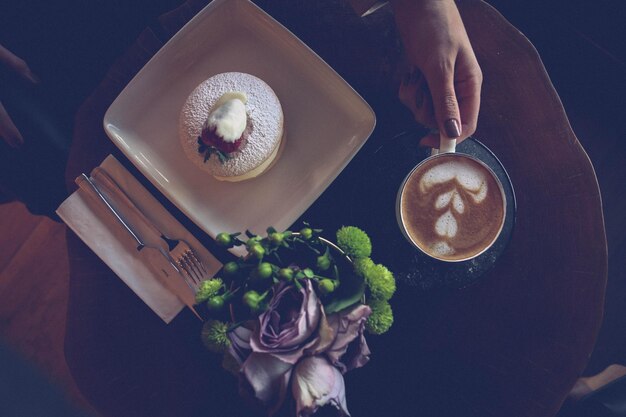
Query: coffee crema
pixel 452 207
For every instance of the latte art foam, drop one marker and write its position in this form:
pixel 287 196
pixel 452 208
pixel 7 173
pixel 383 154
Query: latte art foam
pixel 452 207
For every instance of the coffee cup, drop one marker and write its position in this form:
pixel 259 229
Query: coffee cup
pixel 451 206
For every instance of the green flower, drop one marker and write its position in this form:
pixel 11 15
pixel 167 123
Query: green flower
pixel 208 289
pixel 380 281
pixel 381 318
pixel 363 265
pixel 215 337
pixel 354 241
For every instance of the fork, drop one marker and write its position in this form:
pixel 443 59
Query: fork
pixel 153 255
pixel 179 250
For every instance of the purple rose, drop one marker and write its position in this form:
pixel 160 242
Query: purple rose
pixel 295 332
pixel 240 344
pixel 317 383
pixel 293 325
pixel 290 323
pixel 317 380
pixel 349 349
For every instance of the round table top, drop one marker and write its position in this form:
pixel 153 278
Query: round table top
pixel 513 344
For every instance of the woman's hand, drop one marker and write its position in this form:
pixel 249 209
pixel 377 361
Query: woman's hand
pixel 443 91
pixel 8 131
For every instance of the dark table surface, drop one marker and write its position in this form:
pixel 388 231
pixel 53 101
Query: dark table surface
pixel 511 345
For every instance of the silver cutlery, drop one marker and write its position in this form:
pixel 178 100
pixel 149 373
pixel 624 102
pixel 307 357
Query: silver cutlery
pixel 159 260
pixel 179 250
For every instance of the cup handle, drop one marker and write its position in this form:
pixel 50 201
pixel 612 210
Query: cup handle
pixel 446 145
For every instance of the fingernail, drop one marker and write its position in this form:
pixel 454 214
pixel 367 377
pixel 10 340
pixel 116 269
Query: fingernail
pixel 453 129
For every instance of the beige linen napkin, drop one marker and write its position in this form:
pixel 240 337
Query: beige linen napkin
pixel 98 228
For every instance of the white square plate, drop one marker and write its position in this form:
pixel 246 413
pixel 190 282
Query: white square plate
pixel 326 121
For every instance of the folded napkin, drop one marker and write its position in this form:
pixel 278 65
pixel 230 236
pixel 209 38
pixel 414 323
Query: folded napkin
pixel 89 218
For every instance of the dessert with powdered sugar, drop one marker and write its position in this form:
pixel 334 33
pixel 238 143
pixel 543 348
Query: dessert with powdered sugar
pixel 231 126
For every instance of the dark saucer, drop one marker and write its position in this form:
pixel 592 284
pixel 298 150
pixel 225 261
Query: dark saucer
pixel 366 194
pixel 428 272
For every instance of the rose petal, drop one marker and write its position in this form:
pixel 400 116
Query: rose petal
pixel 268 377
pixel 348 325
pixel 240 343
pixel 317 383
pixel 289 339
pixel 326 336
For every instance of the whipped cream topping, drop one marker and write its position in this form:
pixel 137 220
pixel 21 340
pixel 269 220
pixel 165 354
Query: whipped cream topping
pixel 228 116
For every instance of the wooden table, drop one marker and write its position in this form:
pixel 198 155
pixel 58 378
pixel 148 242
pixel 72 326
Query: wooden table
pixel 511 345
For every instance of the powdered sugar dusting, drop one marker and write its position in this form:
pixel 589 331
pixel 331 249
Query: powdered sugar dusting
pixel 261 136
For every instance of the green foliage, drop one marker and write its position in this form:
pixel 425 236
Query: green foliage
pixel 381 318
pixel 286 274
pixel 231 268
pixel 224 239
pixel 257 250
pixel 362 266
pixel 252 299
pixel 215 303
pixel 326 286
pixel 306 233
pixel 215 336
pixel 347 294
pixel 264 270
pixel 380 282
pixel 208 289
pixel 294 258
pixel 354 241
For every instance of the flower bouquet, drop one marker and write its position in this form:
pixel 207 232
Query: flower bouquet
pixel 290 317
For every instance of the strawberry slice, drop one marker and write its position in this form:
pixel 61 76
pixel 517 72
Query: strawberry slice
pixel 209 137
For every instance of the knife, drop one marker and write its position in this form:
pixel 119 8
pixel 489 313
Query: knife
pixel 169 275
pixel 158 261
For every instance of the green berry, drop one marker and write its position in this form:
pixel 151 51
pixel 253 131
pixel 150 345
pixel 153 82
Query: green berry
pixel 224 240
pixel 215 303
pixel 306 233
pixel 276 238
pixel 326 286
pixel 264 270
pixel 257 251
pixel 286 274
pixel 252 299
pixel 323 263
pixel 252 241
pixel 231 268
